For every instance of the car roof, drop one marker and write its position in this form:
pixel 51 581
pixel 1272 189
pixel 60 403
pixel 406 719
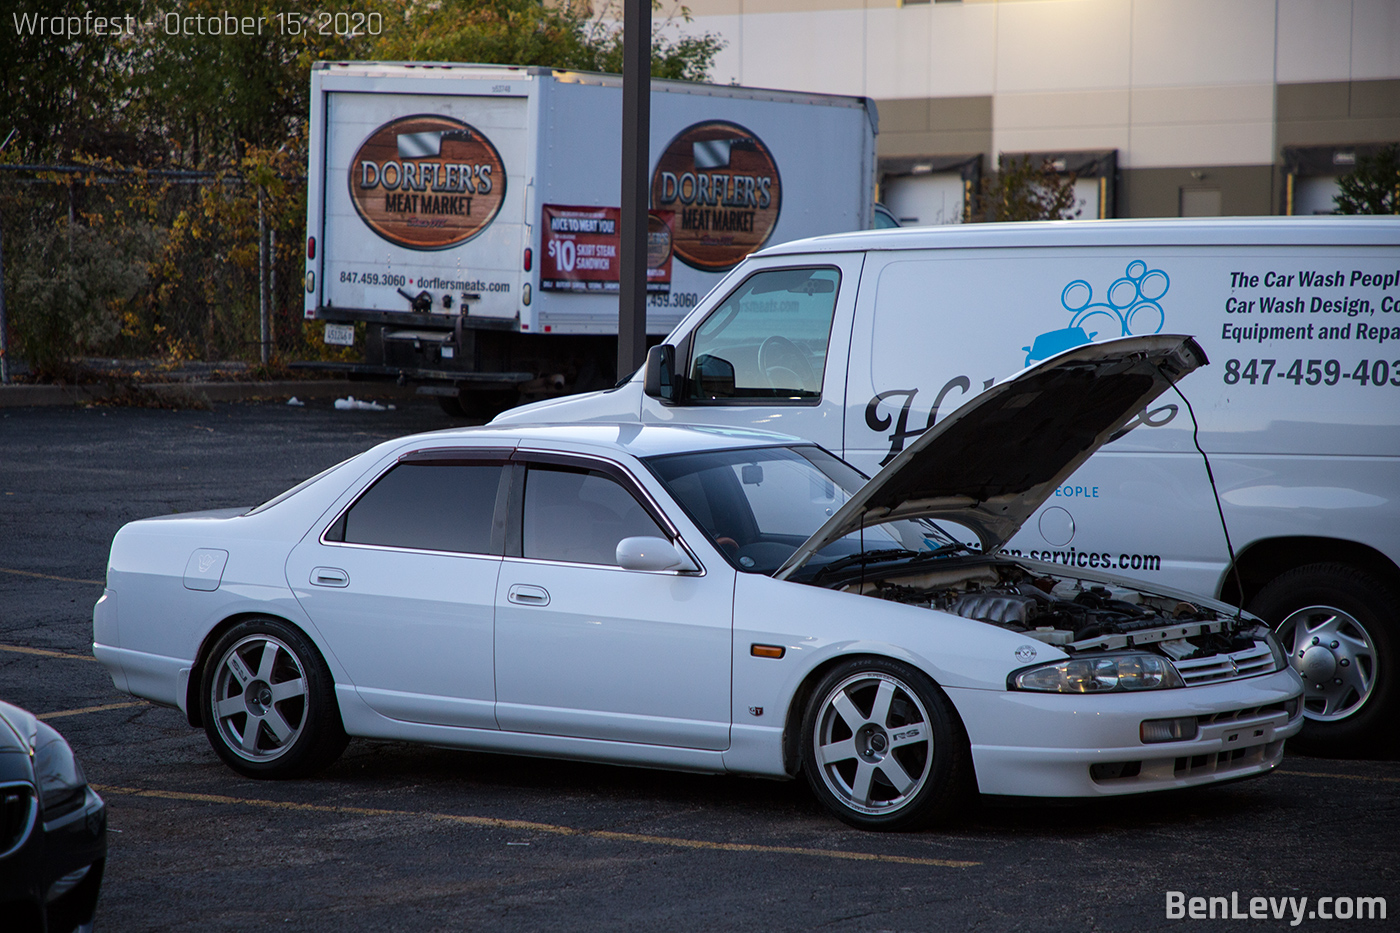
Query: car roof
pixel 638 440
pixel 1166 231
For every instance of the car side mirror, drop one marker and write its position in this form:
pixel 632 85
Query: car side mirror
pixel 659 379
pixel 714 376
pixel 652 553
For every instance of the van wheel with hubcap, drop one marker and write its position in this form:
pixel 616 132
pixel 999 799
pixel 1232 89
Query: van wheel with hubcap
pixel 269 702
pixel 883 748
pixel 1336 624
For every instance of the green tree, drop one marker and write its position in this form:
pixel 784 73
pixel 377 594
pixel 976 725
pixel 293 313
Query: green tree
pixel 1022 190
pixel 211 97
pixel 60 87
pixel 569 35
pixel 1373 187
pixel 73 286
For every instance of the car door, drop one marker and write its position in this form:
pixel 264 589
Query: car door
pixel 402 586
pixel 585 648
pixel 772 353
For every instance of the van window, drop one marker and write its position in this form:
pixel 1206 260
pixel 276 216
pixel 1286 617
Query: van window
pixel 767 341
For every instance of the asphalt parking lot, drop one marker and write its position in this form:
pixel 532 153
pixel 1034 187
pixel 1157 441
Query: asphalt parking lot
pixel 399 837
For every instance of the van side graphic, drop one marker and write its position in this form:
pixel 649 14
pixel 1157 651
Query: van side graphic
pixel 1131 308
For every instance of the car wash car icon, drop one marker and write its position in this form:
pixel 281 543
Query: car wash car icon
pixel 1131 307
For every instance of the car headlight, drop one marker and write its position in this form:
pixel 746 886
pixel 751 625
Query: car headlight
pixel 1103 674
pixel 62 784
pixel 1280 656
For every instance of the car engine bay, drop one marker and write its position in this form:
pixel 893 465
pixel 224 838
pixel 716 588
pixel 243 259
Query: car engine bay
pixel 1072 613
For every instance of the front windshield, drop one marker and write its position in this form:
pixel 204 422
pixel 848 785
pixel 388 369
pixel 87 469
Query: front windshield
pixel 760 504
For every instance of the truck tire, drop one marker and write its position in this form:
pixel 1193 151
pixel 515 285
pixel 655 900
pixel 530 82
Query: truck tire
pixel 485 404
pixel 1338 625
pixel 451 406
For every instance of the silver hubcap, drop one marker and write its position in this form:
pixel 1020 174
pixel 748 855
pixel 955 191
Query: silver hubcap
pixel 259 698
pixel 1334 655
pixel 873 743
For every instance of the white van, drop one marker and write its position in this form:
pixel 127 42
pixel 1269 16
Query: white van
pixel 862 341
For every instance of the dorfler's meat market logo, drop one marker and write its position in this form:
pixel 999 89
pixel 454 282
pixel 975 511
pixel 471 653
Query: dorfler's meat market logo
pixel 427 182
pixel 723 184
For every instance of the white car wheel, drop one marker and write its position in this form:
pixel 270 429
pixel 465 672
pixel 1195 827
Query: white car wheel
pixel 269 705
pixel 883 747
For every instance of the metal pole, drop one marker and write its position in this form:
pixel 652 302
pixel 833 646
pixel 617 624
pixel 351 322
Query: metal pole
pixel 272 286
pixel 262 276
pixel 636 134
pixel 4 321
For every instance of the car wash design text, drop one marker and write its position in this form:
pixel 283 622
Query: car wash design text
pixel 1312 329
pixel 427 182
pixel 1131 306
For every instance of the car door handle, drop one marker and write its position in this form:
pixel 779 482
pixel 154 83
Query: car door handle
pixel 329 576
pixel 527 595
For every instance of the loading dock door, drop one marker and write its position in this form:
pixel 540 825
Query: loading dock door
pixel 925 200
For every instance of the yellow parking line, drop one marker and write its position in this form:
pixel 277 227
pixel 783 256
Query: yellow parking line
pixel 551 828
pixel 49 576
pixel 45 653
pixel 1344 777
pixel 59 714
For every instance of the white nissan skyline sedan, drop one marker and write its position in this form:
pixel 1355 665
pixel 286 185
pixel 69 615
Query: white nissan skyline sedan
pixel 708 599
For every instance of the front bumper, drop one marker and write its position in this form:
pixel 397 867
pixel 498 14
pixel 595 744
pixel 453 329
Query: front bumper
pixel 54 877
pixel 1056 745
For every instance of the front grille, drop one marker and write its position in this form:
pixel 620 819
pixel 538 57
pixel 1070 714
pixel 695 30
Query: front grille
pixel 1225 762
pixel 18 810
pixel 1247 663
pixel 1240 715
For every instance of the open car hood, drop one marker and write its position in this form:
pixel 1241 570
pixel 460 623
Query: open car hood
pixel 991 463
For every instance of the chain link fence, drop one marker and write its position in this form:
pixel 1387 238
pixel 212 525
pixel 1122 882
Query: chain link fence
pixel 174 266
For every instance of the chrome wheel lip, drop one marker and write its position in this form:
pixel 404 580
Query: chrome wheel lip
pixel 255 692
pixel 1327 640
pixel 872 744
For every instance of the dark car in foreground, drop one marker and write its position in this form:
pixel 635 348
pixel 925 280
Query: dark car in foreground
pixel 53 830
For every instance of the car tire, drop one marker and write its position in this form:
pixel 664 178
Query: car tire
pixel 883 748
pixel 1337 625
pixel 269 702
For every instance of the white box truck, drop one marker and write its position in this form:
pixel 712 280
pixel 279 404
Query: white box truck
pixel 466 216
pixel 862 341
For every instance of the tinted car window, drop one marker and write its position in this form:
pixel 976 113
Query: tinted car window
pixel 432 507
pixel 579 515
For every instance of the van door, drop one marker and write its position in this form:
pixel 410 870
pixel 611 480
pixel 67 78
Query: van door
pixel 772 353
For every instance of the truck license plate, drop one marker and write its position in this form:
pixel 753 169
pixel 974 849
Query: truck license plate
pixel 341 335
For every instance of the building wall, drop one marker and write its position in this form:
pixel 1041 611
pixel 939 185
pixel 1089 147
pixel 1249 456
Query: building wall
pixel 1190 93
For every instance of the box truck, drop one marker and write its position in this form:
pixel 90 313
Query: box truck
pixel 463 220
pixel 863 341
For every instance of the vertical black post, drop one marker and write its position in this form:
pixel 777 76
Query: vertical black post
pixel 636 134
pixel 4 321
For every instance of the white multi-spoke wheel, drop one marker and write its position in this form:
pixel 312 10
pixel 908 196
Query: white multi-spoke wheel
pixel 883 748
pixel 1337 624
pixel 268 702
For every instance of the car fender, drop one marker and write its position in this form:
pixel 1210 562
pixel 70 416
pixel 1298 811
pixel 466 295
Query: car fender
pixel 812 626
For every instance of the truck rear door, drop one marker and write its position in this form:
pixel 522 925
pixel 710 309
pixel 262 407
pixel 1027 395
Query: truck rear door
pixel 424 200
